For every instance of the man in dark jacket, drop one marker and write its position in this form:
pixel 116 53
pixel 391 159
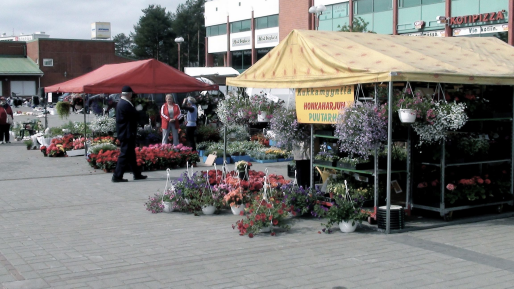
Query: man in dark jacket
pixel 126 128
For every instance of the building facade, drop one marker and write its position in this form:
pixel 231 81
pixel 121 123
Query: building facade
pixel 24 37
pixel 46 61
pixel 251 28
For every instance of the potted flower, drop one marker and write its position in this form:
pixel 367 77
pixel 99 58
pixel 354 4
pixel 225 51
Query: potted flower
pixel 63 109
pixel 154 204
pixel 28 143
pixel 301 200
pixel 242 168
pixel 167 200
pixel 235 199
pixel 440 119
pixel 344 211
pixel 286 129
pixel 264 214
pixel 43 150
pixel 326 158
pixel 411 105
pixel 361 128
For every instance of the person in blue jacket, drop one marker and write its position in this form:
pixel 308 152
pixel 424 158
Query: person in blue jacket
pixel 189 104
pixel 126 128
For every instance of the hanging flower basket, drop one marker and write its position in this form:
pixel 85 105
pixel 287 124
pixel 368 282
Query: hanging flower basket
pixel 407 115
pixel 262 117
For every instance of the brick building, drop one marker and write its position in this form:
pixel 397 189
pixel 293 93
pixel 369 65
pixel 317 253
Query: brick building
pixel 47 61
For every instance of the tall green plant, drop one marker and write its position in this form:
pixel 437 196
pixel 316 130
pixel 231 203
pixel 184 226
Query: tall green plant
pixel 63 109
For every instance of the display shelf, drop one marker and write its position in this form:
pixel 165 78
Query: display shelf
pixel 491 119
pixel 468 163
pixel 365 172
pixel 325 136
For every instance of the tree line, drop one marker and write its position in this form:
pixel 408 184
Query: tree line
pixel 154 35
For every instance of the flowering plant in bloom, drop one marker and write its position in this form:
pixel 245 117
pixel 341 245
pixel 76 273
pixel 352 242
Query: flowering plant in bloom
pixel 265 211
pixel 103 140
pixel 262 104
pixel 406 99
pixel 79 143
pixel 243 165
pixel 286 129
pixel 154 204
pixel 342 209
pixel 361 128
pixel 301 200
pixel 55 150
pixel 43 150
pixel 235 197
pixel 103 125
pixel 441 118
pixel 471 189
pixel 66 142
pixel 326 156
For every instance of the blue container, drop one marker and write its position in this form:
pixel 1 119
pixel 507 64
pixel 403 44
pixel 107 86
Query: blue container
pixel 201 152
pixel 272 143
pixel 218 161
pixel 241 158
pixel 266 161
pixel 284 160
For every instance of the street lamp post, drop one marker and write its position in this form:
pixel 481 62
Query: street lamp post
pixel 317 11
pixel 179 40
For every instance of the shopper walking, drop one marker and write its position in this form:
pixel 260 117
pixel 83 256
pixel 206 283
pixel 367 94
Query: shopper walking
pixel 6 120
pixel 189 104
pixel 126 128
pixel 170 115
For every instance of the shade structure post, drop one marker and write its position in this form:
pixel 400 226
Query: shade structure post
pixel 311 157
pixel 389 152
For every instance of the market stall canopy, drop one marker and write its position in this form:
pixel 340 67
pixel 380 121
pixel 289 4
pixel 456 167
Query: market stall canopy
pixel 216 74
pixel 144 76
pixel 308 59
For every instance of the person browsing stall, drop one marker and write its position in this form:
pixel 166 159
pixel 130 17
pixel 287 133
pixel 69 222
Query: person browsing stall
pixel 126 128
pixel 170 115
pixel 6 120
pixel 189 104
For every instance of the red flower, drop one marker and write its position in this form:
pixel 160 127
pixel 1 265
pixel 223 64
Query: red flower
pixel 280 211
pixel 250 235
pixel 241 213
pixel 487 181
pixel 275 222
pixel 272 233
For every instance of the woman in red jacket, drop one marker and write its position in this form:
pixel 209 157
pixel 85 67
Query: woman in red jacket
pixel 170 113
pixel 6 120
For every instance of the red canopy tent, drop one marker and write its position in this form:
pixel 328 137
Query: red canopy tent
pixel 144 76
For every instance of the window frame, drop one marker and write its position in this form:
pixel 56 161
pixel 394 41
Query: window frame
pixel 49 62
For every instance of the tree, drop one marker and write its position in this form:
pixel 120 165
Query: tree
pixel 153 35
pixel 358 25
pixel 189 23
pixel 123 45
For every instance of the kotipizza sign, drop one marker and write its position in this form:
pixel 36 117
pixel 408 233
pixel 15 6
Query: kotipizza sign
pixel 486 17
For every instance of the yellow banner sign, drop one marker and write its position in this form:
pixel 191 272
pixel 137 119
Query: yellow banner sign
pixel 322 105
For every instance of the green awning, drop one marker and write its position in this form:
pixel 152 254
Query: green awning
pixel 18 66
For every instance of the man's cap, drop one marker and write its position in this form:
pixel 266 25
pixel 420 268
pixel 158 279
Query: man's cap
pixel 126 89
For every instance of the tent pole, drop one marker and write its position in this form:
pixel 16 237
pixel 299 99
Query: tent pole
pixel 389 152
pixel 312 156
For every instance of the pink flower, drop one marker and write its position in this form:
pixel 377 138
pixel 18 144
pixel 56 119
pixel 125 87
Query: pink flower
pixel 487 181
pixel 451 187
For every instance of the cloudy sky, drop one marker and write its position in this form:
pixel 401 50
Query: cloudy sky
pixel 72 18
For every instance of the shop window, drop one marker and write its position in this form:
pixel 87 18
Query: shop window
pixel 363 7
pixel 340 10
pixel 235 27
pixel 222 29
pixel 262 52
pixel 409 3
pixel 246 25
pixel 272 21
pixel 382 5
pixel 261 23
pixel 207 31
pixel 428 2
pixel 48 62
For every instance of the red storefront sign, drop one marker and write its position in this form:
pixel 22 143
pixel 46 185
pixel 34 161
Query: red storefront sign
pixel 492 16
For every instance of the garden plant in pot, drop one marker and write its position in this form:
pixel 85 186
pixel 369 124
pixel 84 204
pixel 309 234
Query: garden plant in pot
pixel 345 211
pixel 63 109
pixel 242 168
pixel 235 199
